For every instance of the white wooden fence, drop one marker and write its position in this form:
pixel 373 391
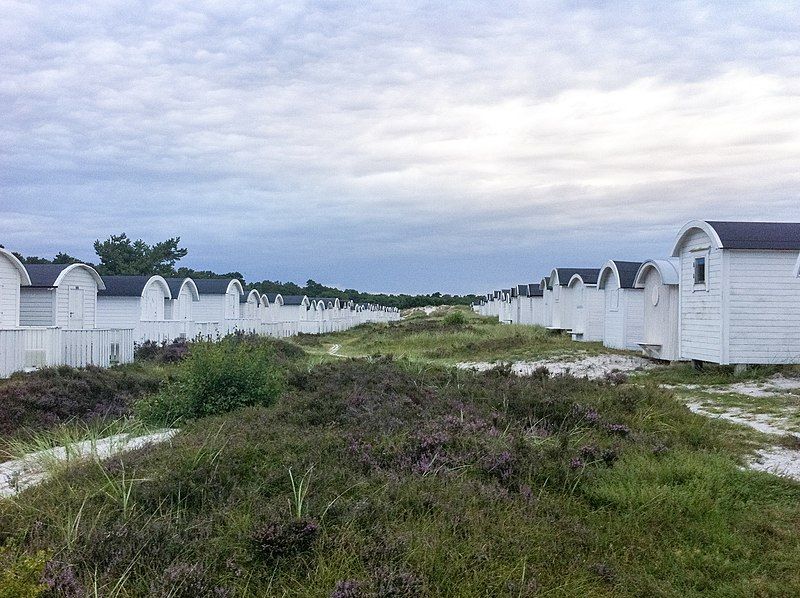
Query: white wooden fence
pixel 31 348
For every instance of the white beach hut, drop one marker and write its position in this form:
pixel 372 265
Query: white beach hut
pixel 137 302
pixel 563 298
pixel 658 280
pixel 505 306
pixel 547 302
pixel 739 300
pixel 12 275
pixel 623 306
pixel 249 306
pixel 535 306
pixel 521 309
pixel 62 295
pixel 295 310
pixel 184 296
pixel 584 306
pixel 220 303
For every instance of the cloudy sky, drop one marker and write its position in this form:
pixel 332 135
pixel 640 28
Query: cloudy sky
pixel 398 146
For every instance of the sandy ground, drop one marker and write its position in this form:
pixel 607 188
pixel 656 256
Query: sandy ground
pixel 590 366
pixel 774 459
pixel 32 469
pixel 777 386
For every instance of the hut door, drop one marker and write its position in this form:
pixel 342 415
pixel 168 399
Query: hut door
pixel 75 316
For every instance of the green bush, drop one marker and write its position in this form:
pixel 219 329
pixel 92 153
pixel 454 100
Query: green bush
pixel 20 574
pixel 455 318
pixel 217 378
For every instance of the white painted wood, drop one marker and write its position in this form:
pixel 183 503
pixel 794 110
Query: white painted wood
pixel 623 317
pixel 37 307
pixel 700 305
pixel 12 275
pixel 584 314
pixel 658 281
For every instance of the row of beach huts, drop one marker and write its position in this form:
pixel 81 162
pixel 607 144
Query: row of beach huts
pixel 729 293
pixel 67 314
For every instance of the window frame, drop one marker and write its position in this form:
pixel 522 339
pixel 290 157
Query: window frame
pixel 700 285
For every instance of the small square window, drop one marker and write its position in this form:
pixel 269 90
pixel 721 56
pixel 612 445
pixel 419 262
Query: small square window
pixel 699 270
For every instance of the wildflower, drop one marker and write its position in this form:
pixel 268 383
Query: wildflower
pixel 619 429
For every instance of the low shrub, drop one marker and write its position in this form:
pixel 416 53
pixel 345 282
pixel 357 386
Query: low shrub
pixel 456 319
pixel 49 397
pixel 284 538
pixel 218 377
pixel 163 352
pixel 20 573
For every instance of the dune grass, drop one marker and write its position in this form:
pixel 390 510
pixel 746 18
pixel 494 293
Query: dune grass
pixel 440 339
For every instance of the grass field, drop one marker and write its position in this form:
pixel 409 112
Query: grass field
pixel 435 339
pixel 401 476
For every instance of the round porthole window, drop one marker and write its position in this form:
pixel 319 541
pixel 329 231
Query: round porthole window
pixel 654 296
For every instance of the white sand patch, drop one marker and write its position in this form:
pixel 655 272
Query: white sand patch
pixel 779 461
pixel 590 366
pixel 768 424
pixel 34 468
pixel 334 350
pixel 778 385
pixel 774 459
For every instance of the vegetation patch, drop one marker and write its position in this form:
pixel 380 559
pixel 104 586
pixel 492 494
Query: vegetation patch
pixel 388 477
pixel 217 377
pixel 51 397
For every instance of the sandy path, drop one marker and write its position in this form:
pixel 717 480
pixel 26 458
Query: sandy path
pixel 33 468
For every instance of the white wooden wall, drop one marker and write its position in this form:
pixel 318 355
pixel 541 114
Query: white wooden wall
pixel 118 312
pixel 762 307
pixel 77 279
pixel 660 317
pixel 700 309
pixel 9 293
pixel 37 307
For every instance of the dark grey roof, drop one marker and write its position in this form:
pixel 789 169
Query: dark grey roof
pixel 627 273
pixel 44 275
pixel 175 285
pixel 588 275
pixel 534 290
pixel 758 235
pixel 272 296
pixel 546 281
pixel 522 290
pixel 123 286
pixel 292 299
pixel 212 286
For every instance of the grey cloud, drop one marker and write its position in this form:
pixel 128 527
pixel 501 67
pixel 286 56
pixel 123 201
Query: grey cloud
pixel 413 129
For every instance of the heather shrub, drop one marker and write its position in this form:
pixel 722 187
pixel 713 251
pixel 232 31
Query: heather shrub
pixel 186 580
pixel 52 396
pixel 217 377
pixel 284 538
pixel 163 352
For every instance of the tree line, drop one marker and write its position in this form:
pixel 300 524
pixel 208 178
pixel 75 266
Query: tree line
pixel 121 255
